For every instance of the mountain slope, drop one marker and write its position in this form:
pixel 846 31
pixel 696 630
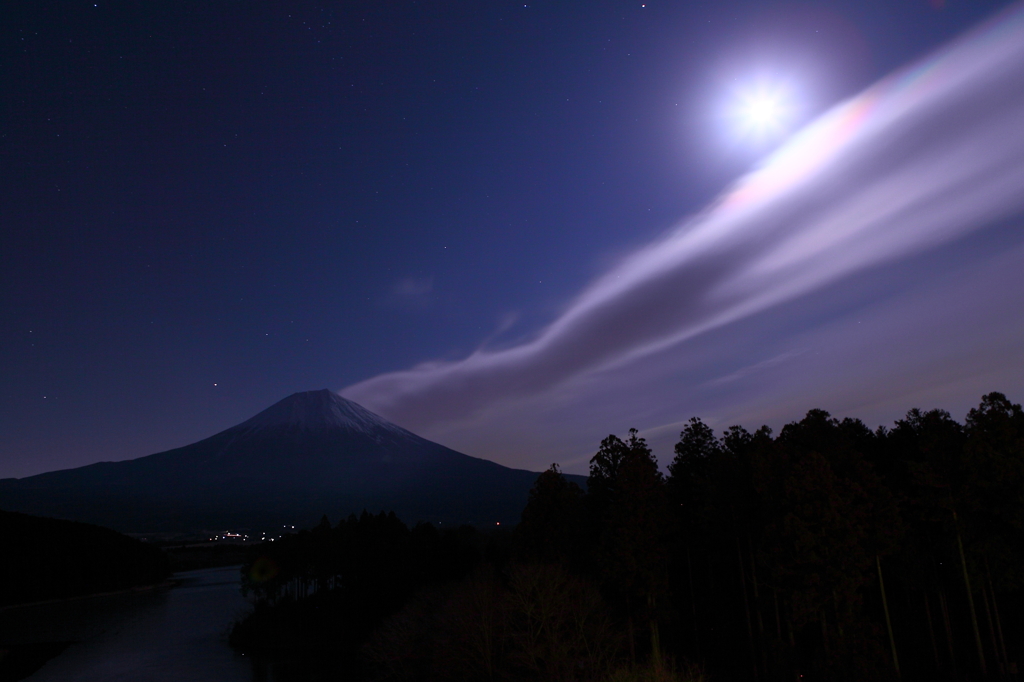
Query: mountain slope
pixel 309 454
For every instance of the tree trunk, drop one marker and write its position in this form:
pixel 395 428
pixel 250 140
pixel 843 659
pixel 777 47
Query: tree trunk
pixel 999 629
pixel 778 621
pixel 746 606
pixel 656 658
pixel 970 600
pixel 931 633
pixel 757 604
pixel 632 643
pixel 712 615
pixel 888 623
pixel 824 634
pixel 999 621
pixel 794 667
pixel 839 620
pixel 693 603
pixel 991 629
pixel 949 631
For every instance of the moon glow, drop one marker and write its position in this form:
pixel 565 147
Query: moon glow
pixel 762 113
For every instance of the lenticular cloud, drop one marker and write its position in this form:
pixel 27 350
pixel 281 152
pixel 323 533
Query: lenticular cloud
pixel 922 158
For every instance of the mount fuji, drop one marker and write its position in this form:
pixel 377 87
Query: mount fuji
pixel 310 454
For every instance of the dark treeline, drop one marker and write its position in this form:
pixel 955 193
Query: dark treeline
pixel 321 592
pixel 826 552
pixel 829 551
pixel 46 559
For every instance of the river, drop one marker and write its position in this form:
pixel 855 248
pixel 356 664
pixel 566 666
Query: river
pixel 176 634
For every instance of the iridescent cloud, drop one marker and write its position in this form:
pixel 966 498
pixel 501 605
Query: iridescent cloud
pixel 926 157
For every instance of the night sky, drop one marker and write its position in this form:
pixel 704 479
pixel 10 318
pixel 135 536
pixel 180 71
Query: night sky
pixel 451 213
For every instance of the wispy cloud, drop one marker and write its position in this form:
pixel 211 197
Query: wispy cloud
pixel 746 371
pixel 411 292
pixel 413 287
pixel 924 158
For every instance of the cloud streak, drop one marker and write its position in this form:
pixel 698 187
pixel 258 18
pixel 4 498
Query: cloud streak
pixel 925 157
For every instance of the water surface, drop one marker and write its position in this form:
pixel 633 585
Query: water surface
pixel 166 634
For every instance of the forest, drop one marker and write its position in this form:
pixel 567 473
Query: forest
pixel 828 551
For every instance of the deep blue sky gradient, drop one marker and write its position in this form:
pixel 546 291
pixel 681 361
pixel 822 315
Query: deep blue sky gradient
pixel 207 206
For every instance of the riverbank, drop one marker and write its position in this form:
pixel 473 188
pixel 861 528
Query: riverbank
pixel 19 661
pixel 138 589
pixel 177 633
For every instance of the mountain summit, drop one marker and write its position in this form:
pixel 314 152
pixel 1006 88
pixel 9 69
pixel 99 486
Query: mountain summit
pixel 312 453
pixel 318 410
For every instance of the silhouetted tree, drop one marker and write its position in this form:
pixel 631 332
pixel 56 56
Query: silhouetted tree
pixel 552 523
pixel 829 517
pixel 628 507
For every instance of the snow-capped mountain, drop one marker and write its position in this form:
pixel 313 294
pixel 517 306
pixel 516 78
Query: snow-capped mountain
pixel 310 454
pixel 320 410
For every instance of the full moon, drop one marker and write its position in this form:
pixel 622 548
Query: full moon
pixel 762 112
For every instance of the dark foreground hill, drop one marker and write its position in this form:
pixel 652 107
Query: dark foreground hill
pixel 310 454
pixel 54 559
